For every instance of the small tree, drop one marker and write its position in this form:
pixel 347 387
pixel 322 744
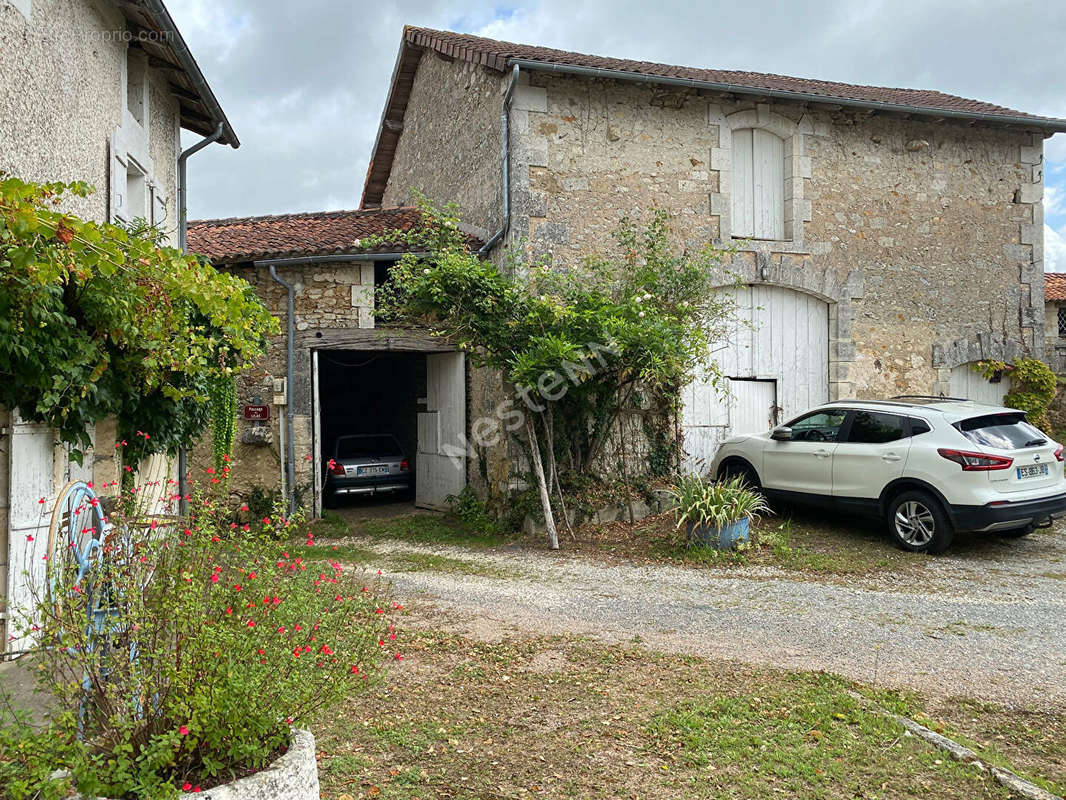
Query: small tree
pixel 97 321
pixel 574 344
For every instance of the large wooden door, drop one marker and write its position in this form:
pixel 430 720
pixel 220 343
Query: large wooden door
pixel 969 384
pixel 440 463
pixel 779 339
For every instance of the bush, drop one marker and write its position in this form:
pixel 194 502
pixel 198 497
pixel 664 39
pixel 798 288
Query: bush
pixel 1033 387
pixel 218 641
pixel 702 502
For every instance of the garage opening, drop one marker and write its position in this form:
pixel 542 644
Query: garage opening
pixel 368 422
pixel 393 424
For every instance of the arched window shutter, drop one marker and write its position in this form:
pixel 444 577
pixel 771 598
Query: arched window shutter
pixel 758 185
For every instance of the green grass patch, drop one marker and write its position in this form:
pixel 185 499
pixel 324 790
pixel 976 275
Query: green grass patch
pixel 430 562
pixel 330 525
pixel 802 735
pixel 428 529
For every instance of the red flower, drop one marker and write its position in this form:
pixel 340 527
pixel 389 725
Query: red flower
pixel 398 657
pixel 40 502
pixel 266 520
pixel 237 587
pixel 186 786
pixel 355 669
pixel 229 611
pixel 183 731
pixel 379 611
pixel 244 507
pixel 210 470
pixel 251 623
pixel 261 652
pixel 251 576
pixel 29 537
pixel 327 650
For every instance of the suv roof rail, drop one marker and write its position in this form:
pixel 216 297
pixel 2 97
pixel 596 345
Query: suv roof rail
pixel 939 398
pixel 868 402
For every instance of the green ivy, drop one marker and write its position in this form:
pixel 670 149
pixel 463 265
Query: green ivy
pixel 223 418
pixel 97 321
pixel 1033 387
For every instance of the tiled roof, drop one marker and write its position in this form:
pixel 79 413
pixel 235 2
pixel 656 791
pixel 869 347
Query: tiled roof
pixel 1055 285
pixel 498 56
pixel 294 235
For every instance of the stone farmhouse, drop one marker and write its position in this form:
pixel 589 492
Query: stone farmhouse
pixel 886 239
pixel 95 91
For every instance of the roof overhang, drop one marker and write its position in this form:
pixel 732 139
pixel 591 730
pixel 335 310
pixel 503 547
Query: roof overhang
pixel 153 31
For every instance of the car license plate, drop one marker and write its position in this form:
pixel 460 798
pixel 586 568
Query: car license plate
pixel 1032 471
pixel 383 470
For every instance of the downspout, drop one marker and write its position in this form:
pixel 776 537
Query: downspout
pixel 183 226
pixel 288 457
pixel 505 166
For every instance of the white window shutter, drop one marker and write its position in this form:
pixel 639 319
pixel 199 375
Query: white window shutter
pixel 743 222
pixel 768 179
pixel 159 207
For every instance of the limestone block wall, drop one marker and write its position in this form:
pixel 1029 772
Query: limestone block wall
pixel 328 297
pixel 924 237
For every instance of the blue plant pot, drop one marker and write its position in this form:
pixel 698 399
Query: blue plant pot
pixel 726 537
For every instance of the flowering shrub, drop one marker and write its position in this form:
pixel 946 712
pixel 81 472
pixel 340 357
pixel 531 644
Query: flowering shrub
pixel 216 637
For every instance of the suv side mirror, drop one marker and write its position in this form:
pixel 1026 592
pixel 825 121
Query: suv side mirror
pixel 781 433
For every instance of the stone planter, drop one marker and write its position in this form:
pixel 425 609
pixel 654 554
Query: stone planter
pixel 726 537
pixel 294 776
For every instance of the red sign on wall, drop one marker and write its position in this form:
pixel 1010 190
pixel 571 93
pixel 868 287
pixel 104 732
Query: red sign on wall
pixel 260 413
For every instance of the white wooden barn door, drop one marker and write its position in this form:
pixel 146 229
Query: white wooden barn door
pixel 775 353
pixel 31 476
pixel 440 464
pixel 969 384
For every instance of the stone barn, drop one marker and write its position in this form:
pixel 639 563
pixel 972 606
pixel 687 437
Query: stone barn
pixel 885 238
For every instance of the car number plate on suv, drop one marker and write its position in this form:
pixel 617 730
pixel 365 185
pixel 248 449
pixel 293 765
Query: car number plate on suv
pixel 373 470
pixel 1032 471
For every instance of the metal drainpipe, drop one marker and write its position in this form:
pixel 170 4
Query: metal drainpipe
pixel 505 166
pixel 183 225
pixel 289 455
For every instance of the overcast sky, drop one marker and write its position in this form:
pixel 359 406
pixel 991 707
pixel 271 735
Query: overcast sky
pixel 304 82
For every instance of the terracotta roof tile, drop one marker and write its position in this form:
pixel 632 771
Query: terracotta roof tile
pixel 497 55
pixel 1055 285
pixel 294 235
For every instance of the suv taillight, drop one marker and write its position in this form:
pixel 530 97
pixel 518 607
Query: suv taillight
pixel 1058 453
pixel 404 466
pixel 975 462
pixel 335 468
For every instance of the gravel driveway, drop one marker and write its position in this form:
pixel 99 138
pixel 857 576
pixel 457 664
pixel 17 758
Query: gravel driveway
pixel 991 627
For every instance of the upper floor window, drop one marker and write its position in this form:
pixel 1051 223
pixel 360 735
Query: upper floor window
pixel 758 185
pixel 1062 321
pixel 137 85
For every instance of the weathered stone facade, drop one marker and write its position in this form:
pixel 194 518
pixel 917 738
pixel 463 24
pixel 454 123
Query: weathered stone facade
pixel 459 103
pixel 923 236
pixel 888 219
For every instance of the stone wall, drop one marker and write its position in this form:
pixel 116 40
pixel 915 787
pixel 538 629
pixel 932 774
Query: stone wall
pixel 1055 345
pixel 450 148
pixel 62 100
pixel 334 297
pixel 925 237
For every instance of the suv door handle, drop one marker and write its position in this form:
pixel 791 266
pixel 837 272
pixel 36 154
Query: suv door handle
pixel 891 457
pixel 822 453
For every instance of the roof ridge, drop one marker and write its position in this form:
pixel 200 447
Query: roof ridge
pixel 220 221
pixel 563 53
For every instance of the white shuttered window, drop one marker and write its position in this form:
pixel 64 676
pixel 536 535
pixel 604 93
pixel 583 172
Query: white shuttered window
pixel 758 185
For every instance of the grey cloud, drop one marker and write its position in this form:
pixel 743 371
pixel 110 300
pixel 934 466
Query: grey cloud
pixel 304 83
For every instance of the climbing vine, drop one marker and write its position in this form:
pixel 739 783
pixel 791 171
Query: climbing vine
pixel 223 418
pixel 576 342
pixel 99 322
pixel 1033 386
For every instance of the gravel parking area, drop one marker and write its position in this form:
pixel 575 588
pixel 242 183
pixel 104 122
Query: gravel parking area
pixel 986 621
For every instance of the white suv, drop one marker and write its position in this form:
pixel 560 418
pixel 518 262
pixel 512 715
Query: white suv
pixel 928 466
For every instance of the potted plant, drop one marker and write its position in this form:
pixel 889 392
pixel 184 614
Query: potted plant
pixel 714 513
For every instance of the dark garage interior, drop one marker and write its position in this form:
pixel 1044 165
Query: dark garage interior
pixel 370 392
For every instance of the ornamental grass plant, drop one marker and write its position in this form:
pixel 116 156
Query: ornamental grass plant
pixel 218 638
pixel 703 503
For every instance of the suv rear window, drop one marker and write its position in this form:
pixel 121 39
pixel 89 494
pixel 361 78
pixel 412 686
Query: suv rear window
pixel 1003 431
pixel 367 446
pixel 873 427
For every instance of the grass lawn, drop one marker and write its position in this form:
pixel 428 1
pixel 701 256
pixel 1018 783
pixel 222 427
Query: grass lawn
pixel 561 717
